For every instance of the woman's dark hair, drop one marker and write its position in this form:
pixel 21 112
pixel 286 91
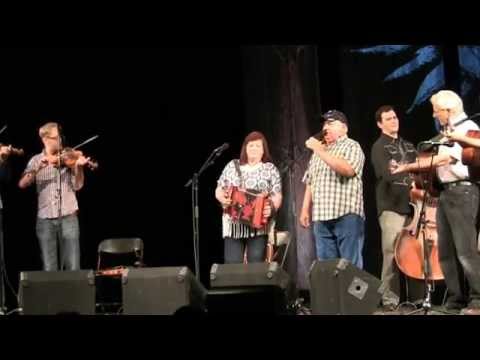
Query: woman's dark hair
pixel 253 136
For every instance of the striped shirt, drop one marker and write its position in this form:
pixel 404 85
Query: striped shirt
pixel 47 180
pixel 334 195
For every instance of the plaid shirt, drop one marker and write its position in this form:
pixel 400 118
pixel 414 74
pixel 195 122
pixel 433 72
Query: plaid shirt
pixel 334 195
pixel 47 189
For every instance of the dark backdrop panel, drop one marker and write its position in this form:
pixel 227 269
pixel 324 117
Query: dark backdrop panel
pixel 281 100
pixel 134 99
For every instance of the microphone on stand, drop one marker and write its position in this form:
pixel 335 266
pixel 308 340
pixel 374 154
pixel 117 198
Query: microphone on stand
pixel 222 148
pixel 215 153
pixel 435 143
pixel 219 150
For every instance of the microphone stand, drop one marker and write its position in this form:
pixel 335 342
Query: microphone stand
pixel 291 175
pixel 429 285
pixel 3 269
pixel 288 167
pixel 193 182
pixel 59 194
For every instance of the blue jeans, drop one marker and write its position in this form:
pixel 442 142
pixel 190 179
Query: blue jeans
pixel 68 244
pixel 235 248
pixel 340 238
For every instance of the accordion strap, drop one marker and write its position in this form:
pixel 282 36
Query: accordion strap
pixel 272 232
pixel 236 162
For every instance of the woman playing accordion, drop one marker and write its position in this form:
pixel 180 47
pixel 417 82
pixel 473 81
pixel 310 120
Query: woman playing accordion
pixel 250 192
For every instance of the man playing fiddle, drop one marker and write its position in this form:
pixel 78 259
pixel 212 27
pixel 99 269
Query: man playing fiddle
pixel 57 221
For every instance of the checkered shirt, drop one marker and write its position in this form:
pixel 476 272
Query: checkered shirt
pixel 334 195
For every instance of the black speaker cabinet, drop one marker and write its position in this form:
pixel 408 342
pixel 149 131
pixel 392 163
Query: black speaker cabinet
pixel 57 292
pixel 248 288
pixel 255 274
pixel 161 291
pixel 339 287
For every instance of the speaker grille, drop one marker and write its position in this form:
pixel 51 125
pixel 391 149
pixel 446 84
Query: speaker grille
pixel 57 292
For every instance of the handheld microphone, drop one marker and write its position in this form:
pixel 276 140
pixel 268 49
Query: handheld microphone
pixel 320 135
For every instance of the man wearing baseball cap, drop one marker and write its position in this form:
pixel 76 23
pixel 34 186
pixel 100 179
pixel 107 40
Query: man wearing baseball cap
pixel 334 186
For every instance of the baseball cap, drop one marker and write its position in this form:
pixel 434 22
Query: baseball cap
pixel 332 115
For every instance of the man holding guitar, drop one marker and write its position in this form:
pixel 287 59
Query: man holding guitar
pixel 457 208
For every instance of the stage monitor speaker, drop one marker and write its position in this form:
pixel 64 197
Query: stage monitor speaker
pixel 57 292
pixel 161 291
pixel 337 287
pixel 255 274
pixel 248 288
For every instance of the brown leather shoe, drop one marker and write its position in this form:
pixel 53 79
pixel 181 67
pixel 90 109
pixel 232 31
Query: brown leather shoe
pixel 470 311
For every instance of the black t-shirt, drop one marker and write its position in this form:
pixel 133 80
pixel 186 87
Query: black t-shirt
pixel 392 191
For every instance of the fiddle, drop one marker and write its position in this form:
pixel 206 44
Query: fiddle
pixel 471 155
pixel 68 157
pixel 9 151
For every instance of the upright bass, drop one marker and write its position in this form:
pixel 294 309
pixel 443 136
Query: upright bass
pixel 421 231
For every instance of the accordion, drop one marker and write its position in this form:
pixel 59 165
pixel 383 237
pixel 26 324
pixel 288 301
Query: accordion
pixel 247 207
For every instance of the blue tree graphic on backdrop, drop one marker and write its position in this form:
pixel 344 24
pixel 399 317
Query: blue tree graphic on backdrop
pixel 430 56
pixel 426 55
pixel 469 59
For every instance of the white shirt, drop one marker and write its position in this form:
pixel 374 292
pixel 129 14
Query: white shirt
pixel 456 171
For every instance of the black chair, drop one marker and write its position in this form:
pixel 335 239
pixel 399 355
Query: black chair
pixel 121 253
pixel 121 246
